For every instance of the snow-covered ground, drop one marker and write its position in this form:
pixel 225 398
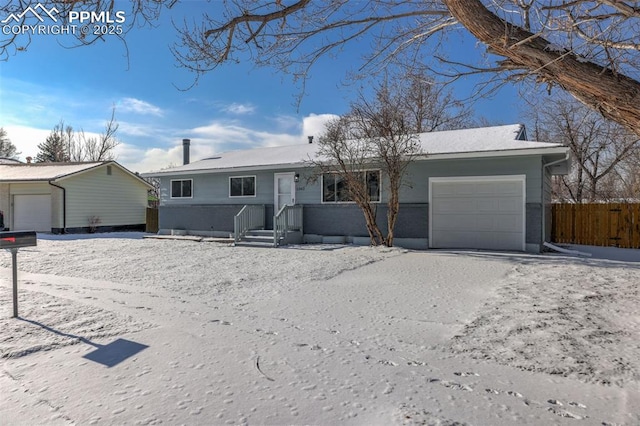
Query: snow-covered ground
pixel 116 329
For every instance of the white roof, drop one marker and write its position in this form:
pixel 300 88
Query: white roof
pixel 5 160
pixel 41 171
pixel 485 141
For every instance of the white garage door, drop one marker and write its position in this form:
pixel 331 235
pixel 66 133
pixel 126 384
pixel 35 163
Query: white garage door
pixel 477 212
pixel 32 213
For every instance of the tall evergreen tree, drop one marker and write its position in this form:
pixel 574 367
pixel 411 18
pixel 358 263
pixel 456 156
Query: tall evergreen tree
pixel 55 149
pixel 7 149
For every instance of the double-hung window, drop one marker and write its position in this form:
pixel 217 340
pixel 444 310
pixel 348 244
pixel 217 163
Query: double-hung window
pixel 242 186
pixel 182 188
pixel 335 190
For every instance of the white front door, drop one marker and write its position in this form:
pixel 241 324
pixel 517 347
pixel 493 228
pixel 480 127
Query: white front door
pixel 284 190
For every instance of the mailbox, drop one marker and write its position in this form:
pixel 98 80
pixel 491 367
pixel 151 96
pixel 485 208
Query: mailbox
pixel 17 239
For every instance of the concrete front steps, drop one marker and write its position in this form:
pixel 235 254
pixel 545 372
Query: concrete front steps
pixel 264 238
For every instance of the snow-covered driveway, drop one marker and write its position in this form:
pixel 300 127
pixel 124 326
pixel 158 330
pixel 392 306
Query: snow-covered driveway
pixel 315 334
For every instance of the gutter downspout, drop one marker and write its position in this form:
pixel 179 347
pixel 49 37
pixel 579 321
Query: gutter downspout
pixel 64 206
pixel 544 167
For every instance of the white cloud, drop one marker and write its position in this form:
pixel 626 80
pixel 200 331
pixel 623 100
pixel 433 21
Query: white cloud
pixel 216 137
pixel 26 139
pixel 145 160
pixel 240 109
pixel 135 129
pixel 287 122
pixel 138 106
pixel 313 124
pixel 207 140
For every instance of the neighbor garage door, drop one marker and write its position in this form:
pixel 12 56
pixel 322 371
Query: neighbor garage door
pixel 32 212
pixel 477 212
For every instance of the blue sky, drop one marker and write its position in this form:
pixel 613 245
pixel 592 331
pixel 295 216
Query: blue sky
pixel 236 106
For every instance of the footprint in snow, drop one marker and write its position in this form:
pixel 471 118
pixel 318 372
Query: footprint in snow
pixel 467 374
pixel 456 386
pixel 564 413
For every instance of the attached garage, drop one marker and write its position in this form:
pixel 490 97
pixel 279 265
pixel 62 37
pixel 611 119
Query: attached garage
pixel 479 212
pixel 32 212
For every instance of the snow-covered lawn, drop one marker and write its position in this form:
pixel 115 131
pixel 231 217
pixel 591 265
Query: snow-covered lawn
pixel 116 329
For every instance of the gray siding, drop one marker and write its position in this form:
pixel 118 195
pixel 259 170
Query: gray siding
pixel 547 199
pixel 203 217
pixel 347 219
pixel 417 180
pixel 533 232
pixel 212 210
pixel 324 219
pixel 214 188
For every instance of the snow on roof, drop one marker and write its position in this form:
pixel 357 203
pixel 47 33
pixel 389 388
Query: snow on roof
pixel 41 171
pixel 478 140
pixel 5 160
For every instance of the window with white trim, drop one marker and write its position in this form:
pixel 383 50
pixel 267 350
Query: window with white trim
pixel 182 188
pixel 242 186
pixel 334 187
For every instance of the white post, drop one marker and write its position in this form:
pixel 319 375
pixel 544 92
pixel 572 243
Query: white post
pixel 14 263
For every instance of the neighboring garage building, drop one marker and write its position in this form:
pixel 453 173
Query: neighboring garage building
pixel 72 197
pixel 484 188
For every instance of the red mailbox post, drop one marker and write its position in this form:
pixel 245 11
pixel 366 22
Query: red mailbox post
pixel 12 241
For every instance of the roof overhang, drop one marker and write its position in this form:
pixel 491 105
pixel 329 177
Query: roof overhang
pixel 557 150
pixel 503 153
pixel 60 178
pixel 240 169
pixel 106 163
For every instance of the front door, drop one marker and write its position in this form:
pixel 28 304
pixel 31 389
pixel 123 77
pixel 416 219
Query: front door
pixel 284 190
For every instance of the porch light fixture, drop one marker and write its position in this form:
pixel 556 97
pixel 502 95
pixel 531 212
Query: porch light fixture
pixel 296 177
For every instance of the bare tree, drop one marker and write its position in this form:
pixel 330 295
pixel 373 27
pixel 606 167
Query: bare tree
pixel 100 148
pixel 590 48
pixel 375 142
pixel 343 161
pixel 428 106
pixel 601 148
pixel 625 181
pixel 64 144
pixel 127 15
pixel 7 148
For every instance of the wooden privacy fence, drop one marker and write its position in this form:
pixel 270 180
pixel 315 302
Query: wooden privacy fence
pixel 614 224
pixel 152 220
